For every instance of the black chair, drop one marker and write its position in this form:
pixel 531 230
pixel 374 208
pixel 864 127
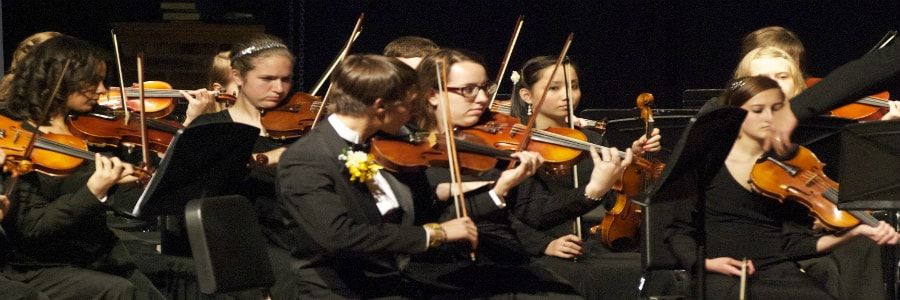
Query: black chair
pixel 228 246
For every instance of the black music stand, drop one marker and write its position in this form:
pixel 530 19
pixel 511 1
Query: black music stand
pixel 623 126
pixel 202 161
pixel 698 155
pixel 870 179
pixel 696 98
pixel 870 166
pixel 821 134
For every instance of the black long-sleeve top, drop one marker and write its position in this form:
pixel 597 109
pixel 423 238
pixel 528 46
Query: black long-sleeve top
pixel 56 220
pixel 741 224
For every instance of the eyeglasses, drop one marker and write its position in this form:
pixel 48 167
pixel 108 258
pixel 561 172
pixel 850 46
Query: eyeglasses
pixel 472 90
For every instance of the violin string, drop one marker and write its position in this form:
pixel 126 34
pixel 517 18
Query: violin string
pixel 832 194
pixel 873 101
pixel 561 140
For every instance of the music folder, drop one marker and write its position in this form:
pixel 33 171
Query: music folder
pixel 202 161
pixel 870 166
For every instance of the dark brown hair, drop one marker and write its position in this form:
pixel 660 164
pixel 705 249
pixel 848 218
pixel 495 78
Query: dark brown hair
pixel 742 89
pixel 361 79
pixel 410 46
pixel 36 76
pixel 531 74
pixel 423 114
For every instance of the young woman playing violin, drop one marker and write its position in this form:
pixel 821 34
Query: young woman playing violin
pixel 262 69
pixel 740 224
pixel 502 262
pixel 557 245
pixel 57 224
pixel 852 272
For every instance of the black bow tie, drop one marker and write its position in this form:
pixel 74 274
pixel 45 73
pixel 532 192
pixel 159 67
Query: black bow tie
pixel 359 147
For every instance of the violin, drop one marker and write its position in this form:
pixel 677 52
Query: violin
pixel 620 228
pixel 560 147
pixel 800 178
pixel 293 118
pixel 870 108
pixel 420 150
pixel 53 154
pixel 299 114
pixel 506 133
pixel 159 98
pixel 104 129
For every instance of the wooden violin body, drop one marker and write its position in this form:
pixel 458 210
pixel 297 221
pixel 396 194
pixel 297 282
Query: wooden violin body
pixel 801 179
pixel 424 150
pixel 506 133
pixel 110 130
pixel 52 152
pixel 869 108
pixel 292 118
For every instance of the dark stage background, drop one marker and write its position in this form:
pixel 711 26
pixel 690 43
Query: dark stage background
pixel 623 47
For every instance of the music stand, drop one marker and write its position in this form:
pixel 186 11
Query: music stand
pixel 869 168
pixel 696 98
pixel 698 155
pixel 623 126
pixel 870 164
pixel 203 161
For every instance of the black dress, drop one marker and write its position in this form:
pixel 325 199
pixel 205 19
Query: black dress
pixel 741 224
pixel 548 204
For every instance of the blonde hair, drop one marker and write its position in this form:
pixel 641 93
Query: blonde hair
pixel 778 37
pixel 743 68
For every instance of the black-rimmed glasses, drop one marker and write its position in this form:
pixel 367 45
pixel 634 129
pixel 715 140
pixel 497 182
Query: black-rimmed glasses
pixel 472 90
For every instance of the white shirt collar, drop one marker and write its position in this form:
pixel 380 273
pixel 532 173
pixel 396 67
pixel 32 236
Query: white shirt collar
pixel 343 131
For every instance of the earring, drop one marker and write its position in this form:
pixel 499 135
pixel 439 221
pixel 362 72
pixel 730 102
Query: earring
pixel 529 109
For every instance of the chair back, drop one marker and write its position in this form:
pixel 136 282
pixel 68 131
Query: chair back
pixel 228 246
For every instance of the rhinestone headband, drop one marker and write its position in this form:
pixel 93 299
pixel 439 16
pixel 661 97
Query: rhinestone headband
pixel 735 85
pixel 257 48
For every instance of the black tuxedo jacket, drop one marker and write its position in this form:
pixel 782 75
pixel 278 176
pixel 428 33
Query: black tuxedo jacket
pixel 865 76
pixel 334 223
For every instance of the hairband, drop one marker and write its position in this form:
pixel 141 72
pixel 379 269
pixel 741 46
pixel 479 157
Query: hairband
pixel 735 85
pixel 257 48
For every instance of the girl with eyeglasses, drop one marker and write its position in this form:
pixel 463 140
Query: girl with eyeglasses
pixel 494 205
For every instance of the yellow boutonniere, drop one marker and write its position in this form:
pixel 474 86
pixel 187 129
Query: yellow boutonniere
pixel 361 165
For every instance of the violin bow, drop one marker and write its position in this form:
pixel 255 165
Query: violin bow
pixel 145 145
pixel 537 107
pixel 576 226
pixel 357 29
pixel 337 60
pixel 743 291
pixel 459 199
pixel 509 49
pixel 24 166
pixel 122 93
